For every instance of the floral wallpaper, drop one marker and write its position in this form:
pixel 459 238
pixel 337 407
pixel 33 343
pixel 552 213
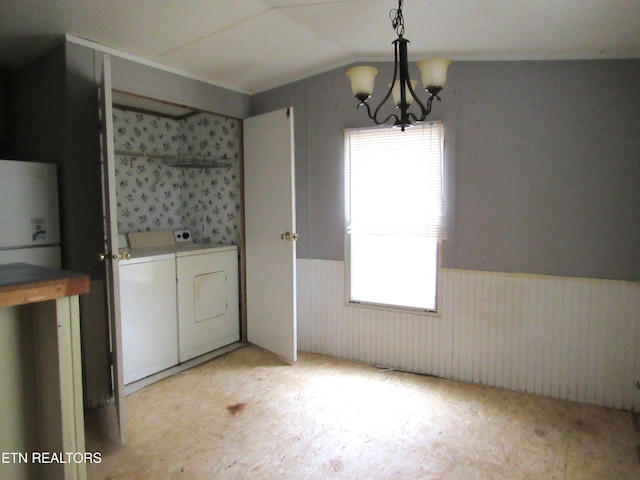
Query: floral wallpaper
pixel 152 195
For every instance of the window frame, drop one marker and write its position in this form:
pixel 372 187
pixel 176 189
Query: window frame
pixel 437 312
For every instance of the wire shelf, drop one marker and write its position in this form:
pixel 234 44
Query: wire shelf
pixel 183 161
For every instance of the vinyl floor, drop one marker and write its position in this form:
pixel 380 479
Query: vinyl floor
pixel 247 415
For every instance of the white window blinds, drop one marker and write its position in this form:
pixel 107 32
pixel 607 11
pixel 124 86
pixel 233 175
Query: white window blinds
pixel 394 181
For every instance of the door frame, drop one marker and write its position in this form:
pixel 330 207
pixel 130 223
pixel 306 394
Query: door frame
pixel 110 254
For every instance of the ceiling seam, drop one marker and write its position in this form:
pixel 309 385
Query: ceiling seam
pixel 244 20
pixel 239 22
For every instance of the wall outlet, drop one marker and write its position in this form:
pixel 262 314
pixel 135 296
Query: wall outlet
pixel 182 236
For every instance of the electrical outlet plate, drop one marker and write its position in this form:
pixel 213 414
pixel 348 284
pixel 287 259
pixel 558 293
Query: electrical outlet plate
pixel 182 236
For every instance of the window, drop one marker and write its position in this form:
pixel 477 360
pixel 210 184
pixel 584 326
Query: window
pixel 394 215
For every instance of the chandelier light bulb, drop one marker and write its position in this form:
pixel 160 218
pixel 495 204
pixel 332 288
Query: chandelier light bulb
pixel 434 71
pixel 397 96
pixel 362 79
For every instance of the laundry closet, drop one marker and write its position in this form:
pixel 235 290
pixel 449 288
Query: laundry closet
pixel 177 179
pixel 226 178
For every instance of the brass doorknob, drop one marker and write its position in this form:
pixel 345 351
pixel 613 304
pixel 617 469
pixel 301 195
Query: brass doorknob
pixel 120 256
pixel 289 236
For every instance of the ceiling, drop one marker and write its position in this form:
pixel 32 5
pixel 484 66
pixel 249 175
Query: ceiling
pixel 254 45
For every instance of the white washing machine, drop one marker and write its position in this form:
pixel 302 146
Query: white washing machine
pixel 149 306
pixel 208 299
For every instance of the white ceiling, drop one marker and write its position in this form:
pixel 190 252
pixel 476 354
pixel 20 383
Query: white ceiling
pixel 255 45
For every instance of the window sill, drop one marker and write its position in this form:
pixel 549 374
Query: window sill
pixel 394 308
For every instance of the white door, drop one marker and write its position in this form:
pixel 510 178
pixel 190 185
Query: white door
pixel 270 225
pixel 110 254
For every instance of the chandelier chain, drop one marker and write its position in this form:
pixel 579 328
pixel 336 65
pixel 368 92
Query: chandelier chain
pixel 397 20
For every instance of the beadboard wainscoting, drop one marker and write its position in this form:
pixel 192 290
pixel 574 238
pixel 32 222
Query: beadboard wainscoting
pixel 570 338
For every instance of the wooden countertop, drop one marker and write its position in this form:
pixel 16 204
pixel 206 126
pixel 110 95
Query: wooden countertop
pixel 22 283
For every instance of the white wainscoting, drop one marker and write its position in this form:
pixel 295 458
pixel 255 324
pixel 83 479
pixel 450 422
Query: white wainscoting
pixel 571 338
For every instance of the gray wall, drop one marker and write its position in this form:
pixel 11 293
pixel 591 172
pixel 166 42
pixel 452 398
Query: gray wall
pixel 5 112
pixel 38 95
pixel 140 79
pixel 542 164
pixel 542 158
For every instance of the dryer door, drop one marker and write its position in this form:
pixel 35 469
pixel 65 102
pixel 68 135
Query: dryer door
pixel 208 306
pixel 210 296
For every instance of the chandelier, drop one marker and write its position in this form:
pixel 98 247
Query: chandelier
pixel 401 88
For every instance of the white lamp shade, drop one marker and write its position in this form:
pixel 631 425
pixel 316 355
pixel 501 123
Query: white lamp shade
pixel 396 92
pixel 434 71
pixel 362 79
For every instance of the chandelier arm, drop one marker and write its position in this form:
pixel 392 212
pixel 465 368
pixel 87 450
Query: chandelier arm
pixel 393 81
pixel 372 117
pixel 375 114
pixel 366 105
pixel 425 111
pixel 412 115
pixel 430 101
pixel 393 115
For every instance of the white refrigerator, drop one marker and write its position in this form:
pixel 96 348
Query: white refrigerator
pixel 29 222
